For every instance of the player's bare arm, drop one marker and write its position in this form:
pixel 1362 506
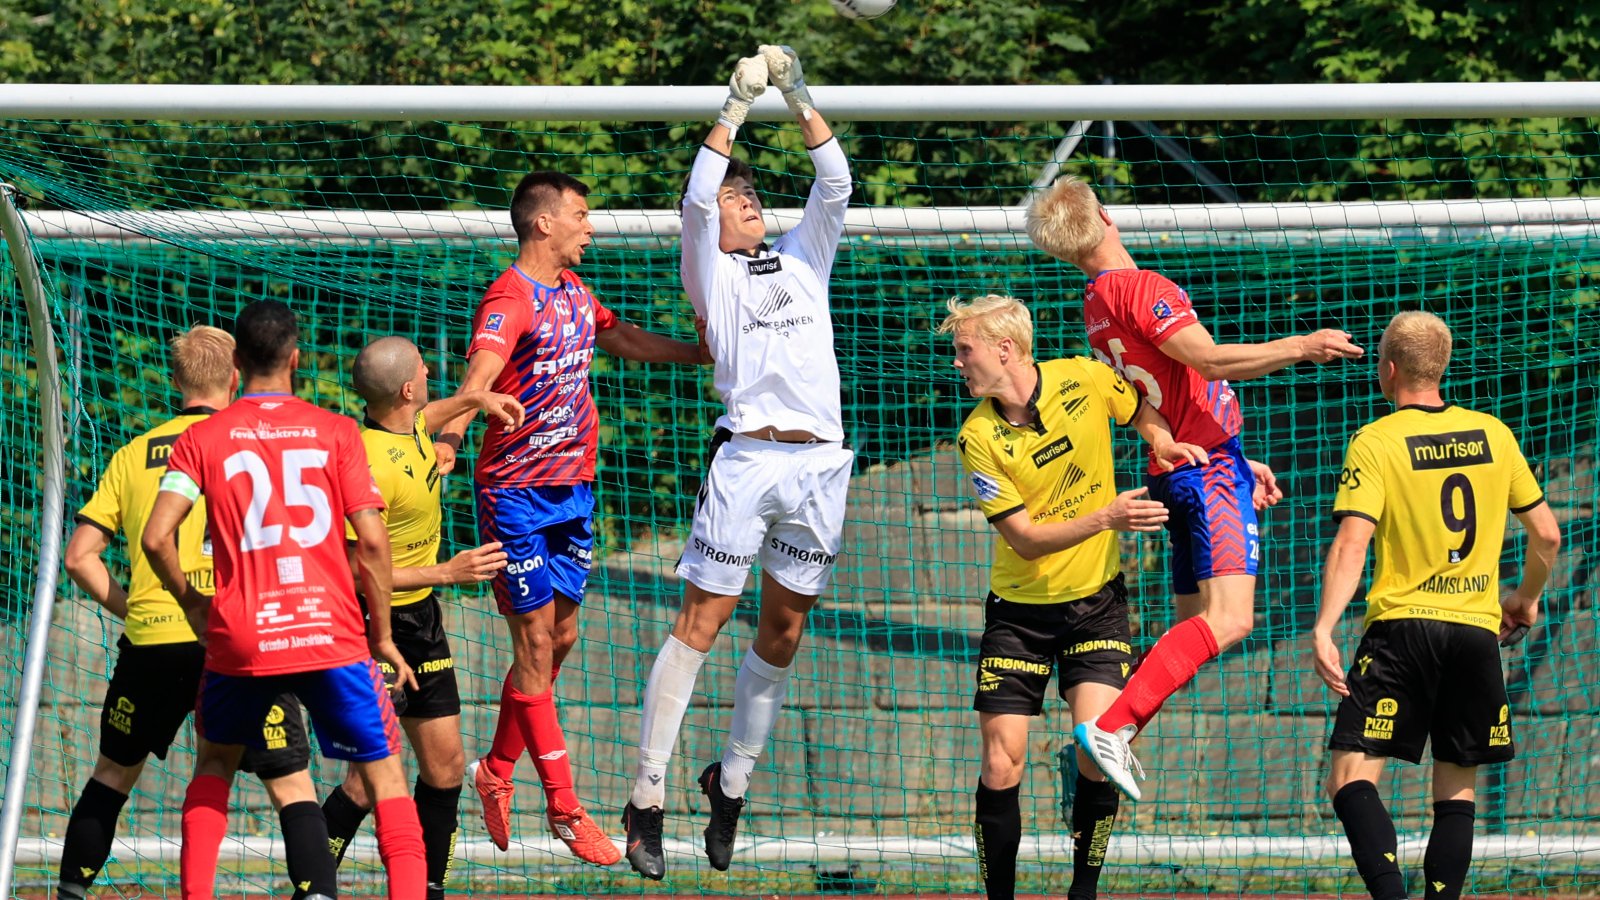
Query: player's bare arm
pixel 1157 432
pixel 160 545
pixel 473 566
pixel 376 568
pixel 1266 491
pixel 1520 608
pixel 1341 575
pixel 504 407
pixel 629 341
pixel 1129 512
pixel 482 369
pixel 87 569
pixel 1194 347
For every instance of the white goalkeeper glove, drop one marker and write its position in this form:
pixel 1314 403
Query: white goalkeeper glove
pixel 784 67
pixel 748 81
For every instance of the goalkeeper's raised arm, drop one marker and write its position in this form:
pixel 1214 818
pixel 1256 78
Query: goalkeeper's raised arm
pixel 779 469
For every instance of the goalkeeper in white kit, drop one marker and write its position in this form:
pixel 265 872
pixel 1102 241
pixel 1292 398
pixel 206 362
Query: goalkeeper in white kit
pixel 778 465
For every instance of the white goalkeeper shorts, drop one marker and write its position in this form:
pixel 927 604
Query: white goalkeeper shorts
pixel 780 504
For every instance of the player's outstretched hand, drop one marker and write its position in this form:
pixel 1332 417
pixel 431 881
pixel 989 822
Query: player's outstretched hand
pixel 1329 666
pixel 385 651
pixel 749 81
pixel 783 65
pixel 504 407
pixel 1328 345
pixel 476 565
pixel 1266 491
pixel 1517 615
pixel 1130 513
pixel 445 455
pixel 1173 454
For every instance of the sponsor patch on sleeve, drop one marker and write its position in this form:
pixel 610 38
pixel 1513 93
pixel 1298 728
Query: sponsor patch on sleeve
pixel 1162 309
pixel 494 321
pixel 985 487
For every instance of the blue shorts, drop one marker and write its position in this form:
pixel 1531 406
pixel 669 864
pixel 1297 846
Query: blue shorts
pixel 350 709
pixel 1211 520
pixel 548 539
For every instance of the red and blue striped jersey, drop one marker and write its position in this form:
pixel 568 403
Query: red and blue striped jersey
pixel 546 336
pixel 1130 313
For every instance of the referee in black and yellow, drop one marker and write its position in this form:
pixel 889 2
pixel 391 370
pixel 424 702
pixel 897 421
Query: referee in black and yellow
pixel 1434 483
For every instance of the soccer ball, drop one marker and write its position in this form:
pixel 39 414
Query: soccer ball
pixel 862 9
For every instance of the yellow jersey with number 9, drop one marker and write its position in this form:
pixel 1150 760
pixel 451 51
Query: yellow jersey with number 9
pixel 1438 482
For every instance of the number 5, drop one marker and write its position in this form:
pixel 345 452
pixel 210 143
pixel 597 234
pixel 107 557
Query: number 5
pixel 1135 374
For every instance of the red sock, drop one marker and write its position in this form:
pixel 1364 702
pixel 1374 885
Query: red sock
pixel 205 821
pixel 1169 665
pixel 548 747
pixel 509 744
pixel 400 846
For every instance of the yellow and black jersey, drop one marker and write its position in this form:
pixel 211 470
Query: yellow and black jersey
pixel 1056 468
pixel 407 472
pixel 1438 482
pixel 122 502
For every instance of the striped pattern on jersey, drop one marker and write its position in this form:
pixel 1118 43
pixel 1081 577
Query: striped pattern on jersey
pixel 546 334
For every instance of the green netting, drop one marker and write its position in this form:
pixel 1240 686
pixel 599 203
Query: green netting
pixel 868 783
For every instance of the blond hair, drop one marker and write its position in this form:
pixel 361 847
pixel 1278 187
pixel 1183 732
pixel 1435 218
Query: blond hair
pixel 1418 343
pixel 1064 220
pixel 992 318
pixel 202 360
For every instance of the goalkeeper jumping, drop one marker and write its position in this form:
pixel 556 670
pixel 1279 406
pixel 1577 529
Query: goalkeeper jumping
pixel 779 468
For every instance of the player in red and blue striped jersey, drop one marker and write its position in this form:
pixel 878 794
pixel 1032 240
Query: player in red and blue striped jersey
pixel 1144 325
pixel 533 337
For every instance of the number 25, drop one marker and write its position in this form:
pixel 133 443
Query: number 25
pixel 257 534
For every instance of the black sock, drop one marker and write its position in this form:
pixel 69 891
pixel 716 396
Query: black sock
pixel 998 831
pixel 344 820
pixel 436 807
pixel 1372 839
pixel 1449 849
pixel 89 834
pixel 1094 812
pixel 305 849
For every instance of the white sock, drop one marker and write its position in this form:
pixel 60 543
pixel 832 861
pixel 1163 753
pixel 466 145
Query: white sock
pixel 666 699
pixel 757 699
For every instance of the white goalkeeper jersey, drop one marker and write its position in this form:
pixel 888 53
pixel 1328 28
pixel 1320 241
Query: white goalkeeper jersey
pixel 767 320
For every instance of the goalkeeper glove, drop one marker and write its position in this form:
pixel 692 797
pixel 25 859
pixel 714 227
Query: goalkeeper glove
pixel 784 67
pixel 748 81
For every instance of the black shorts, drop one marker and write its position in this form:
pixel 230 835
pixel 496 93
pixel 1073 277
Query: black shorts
pixel 1413 679
pixel 153 689
pixel 419 634
pixel 1084 640
pixel 284 747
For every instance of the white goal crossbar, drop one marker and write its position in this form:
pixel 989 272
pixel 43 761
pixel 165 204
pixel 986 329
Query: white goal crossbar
pixel 871 103
pixel 1531 216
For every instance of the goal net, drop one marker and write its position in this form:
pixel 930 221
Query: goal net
pixel 1275 227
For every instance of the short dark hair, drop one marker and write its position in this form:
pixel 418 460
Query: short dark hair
pixel 737 168
pixel 537 193
pixel 264 335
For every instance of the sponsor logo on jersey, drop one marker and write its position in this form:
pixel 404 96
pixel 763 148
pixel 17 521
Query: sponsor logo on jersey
pixel 555 415
pixel 1070 477
pixel 494 321
pixel 1099 325
pixel 1162 309
pixel 771 265
pixel 1076 407
pixel 986 488
pixel 777 298
pixel 1449 450
pixel 1051 451
pixel 580 356
pixel 265 431
pixel 156 453
pixel 551 438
